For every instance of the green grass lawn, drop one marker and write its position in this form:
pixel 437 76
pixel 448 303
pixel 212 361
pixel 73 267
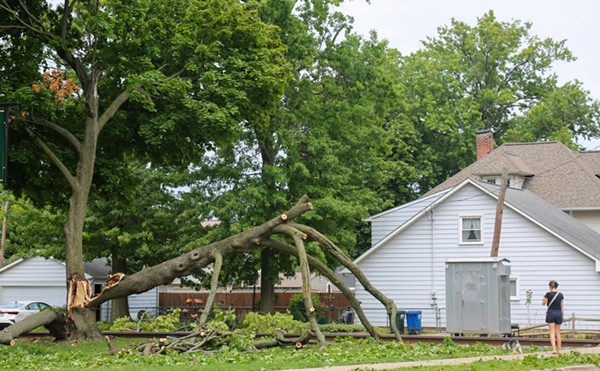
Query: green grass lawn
pixel 43 354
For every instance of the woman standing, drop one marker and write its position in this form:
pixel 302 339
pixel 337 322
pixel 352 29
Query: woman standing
pixel 554 299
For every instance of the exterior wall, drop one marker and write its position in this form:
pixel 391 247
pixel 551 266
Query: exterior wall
pixel 387 222
pixel 36 271
pixel 45 276
pixel 146 301
pixel 411 266
pixel 591 218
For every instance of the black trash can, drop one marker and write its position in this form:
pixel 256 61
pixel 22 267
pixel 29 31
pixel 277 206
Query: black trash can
pixel 399 321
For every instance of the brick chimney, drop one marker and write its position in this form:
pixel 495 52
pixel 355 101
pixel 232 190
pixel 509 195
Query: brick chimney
pixel 484 142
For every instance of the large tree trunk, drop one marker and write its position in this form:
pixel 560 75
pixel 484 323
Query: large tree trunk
pixel 269 272
pixel 119 306
pixel 266 304
pixel 81 320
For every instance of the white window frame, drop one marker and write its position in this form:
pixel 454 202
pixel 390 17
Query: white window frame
pixel 497 180
pixel 516 281
pixel 460 230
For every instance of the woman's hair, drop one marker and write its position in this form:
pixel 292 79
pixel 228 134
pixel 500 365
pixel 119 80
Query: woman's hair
pixel 553 284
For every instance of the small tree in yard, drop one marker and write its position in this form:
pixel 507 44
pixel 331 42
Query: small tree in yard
pixel 297 307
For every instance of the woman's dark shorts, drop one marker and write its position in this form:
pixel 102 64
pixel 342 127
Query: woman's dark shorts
pixel 554 316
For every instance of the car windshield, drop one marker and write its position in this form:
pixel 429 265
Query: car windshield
pixel 11 305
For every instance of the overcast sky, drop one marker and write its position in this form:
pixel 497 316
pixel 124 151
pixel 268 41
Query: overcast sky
pixel 404 23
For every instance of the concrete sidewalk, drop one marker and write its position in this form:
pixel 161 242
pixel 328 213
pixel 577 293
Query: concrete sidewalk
pixel 460 361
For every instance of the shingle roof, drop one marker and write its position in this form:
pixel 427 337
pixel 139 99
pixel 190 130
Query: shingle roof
pixel 561 224
pixel 564 178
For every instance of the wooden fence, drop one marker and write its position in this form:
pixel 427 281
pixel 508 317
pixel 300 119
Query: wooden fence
pixel 332 304
pixel 572 326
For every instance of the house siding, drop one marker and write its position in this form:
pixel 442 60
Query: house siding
pixel 411 265
pixel 36 279
pixel 388 222
pixel 36 271
pixel 591 218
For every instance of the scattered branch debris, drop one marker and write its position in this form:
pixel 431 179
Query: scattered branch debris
pixel 208 341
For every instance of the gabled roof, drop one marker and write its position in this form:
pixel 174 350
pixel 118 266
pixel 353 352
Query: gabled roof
pixel 558 223
pixel 48 260
pixel 564 178
pixel 532 207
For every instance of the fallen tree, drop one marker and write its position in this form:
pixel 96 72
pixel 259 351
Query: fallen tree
pixel 290 238
pixel 53 321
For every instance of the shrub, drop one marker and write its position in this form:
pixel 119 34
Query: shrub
pixel 297 307
pixel 271 323
pixel 164 322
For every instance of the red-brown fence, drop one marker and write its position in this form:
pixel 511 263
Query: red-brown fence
pixel 332 304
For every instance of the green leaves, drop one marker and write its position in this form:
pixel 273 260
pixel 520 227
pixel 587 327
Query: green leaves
pixel 493 75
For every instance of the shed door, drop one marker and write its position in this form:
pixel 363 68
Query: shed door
pixel 473 303
pixel 52 295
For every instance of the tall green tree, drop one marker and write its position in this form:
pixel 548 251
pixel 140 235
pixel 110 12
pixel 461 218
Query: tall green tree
pixel 30 230
pixel 331 137
pixel 161 79
pixel 138 223
pixel 494 75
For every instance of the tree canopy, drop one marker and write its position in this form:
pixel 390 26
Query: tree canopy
pixel 330 137
pixel 151 78
pixel 493 75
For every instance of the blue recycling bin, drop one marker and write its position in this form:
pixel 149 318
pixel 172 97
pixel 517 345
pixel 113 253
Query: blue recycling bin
pixel 413 321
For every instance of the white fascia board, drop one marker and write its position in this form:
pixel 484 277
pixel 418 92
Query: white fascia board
pixel 410 221
pixel 9 266
pixel 370 219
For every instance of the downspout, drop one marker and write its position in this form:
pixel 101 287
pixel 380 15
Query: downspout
pixel 432 253
pixel 434 303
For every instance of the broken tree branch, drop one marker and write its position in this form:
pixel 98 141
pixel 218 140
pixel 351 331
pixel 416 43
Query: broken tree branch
pixel 331 276
pixel 185 264
pixel 54 321
pixel 214 284
pixel 298 238
pixel 341 257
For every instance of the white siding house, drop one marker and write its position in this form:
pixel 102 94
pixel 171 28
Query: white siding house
pixel 35 279
pixel 412 243
pixel 40 279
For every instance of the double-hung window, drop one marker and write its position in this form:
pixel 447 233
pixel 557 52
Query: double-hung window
pixel 470 229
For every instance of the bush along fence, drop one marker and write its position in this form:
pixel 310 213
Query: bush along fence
pixel 332 305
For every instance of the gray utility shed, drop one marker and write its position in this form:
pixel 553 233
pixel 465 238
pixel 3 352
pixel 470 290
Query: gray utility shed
pixel 478 295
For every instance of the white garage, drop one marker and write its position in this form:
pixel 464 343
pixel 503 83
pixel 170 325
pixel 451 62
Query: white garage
pixel 41 279
pixel 36 279
pixel 52 295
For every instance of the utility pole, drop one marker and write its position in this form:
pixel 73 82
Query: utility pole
pixel 499 211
